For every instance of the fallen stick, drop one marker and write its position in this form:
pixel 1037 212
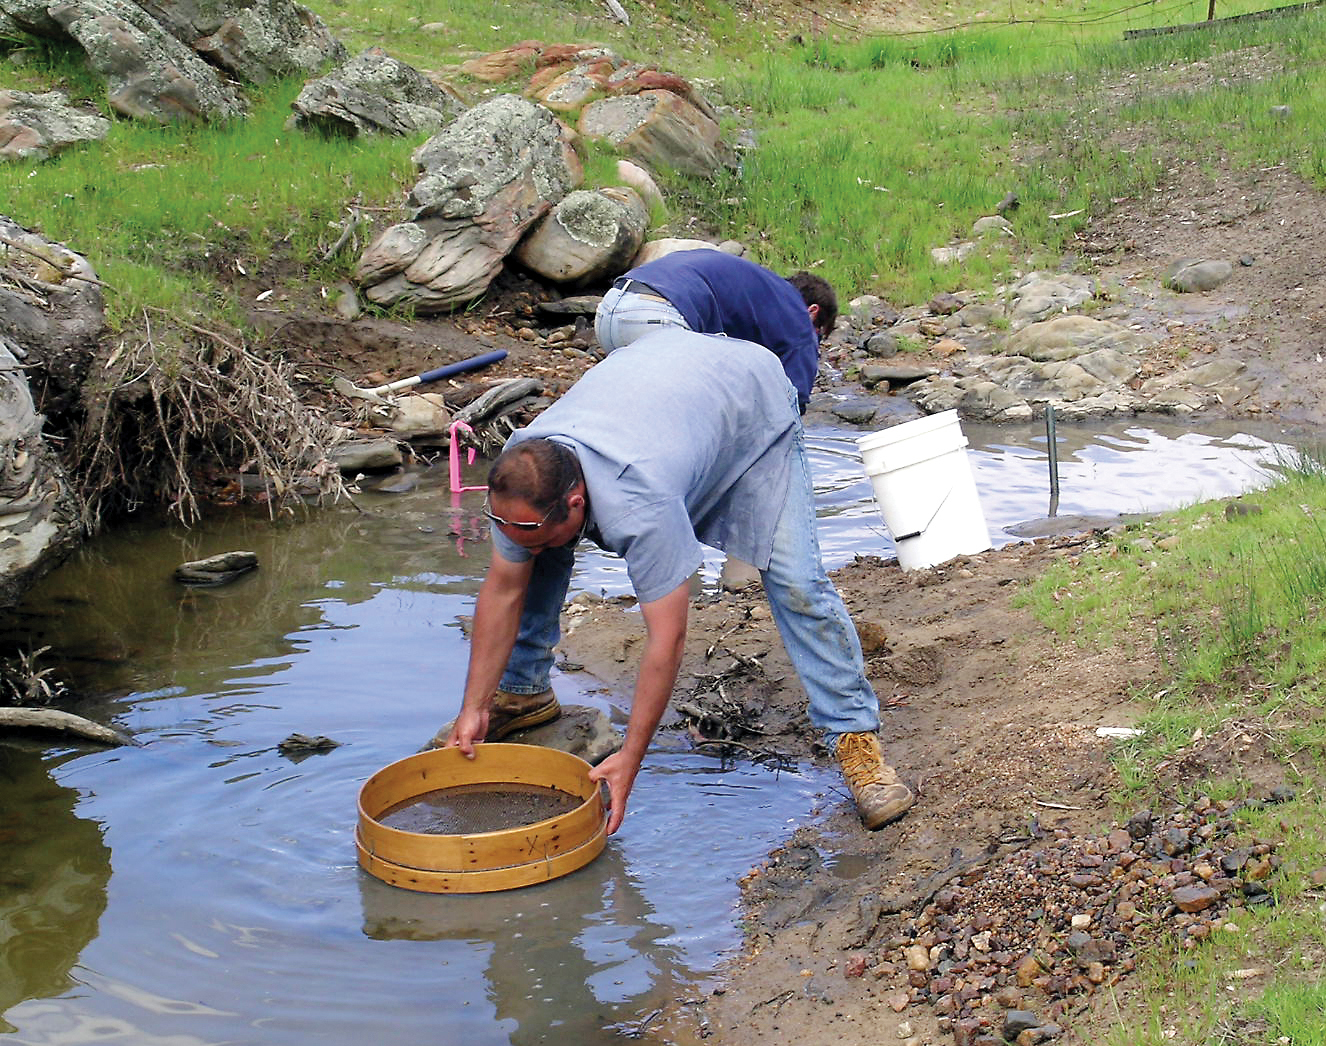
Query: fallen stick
pixel 66 722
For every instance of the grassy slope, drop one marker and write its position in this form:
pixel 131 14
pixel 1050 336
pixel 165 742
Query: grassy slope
pixel 871 150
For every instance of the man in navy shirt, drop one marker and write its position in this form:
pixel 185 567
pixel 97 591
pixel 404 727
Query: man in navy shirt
pixel 677 440
pixel 712 292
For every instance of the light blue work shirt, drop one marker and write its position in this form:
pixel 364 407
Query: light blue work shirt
pixel 683 439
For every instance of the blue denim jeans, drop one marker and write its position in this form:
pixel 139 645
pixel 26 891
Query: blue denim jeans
pixel 624 316
pixel 817 633
pixel 529 669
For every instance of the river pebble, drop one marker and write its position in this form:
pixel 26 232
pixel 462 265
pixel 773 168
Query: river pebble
pixel 1001 953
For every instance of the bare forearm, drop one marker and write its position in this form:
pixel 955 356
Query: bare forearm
pixel 653 690
pixel 493 635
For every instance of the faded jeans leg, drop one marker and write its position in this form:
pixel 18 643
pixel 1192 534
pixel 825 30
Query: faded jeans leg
pixel 623 316
pixel 817 632
pixel 529 669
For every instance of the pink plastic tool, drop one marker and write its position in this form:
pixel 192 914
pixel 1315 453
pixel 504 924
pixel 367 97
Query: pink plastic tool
pixel 456 486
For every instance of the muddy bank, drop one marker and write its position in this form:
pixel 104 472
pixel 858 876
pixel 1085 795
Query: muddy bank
pixel 992 721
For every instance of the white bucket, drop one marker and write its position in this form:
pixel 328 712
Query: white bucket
pixel 925 490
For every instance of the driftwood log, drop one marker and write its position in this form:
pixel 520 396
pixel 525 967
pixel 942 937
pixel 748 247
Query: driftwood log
pixel 66 722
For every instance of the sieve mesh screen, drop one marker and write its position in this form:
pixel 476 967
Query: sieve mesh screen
pixel 469 809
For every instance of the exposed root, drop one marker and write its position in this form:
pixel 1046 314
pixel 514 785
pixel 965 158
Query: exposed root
pixel 181 416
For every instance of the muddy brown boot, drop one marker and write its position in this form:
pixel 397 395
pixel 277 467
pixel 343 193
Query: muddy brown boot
pixel 880 796
pixel 509 713
pixel 512 712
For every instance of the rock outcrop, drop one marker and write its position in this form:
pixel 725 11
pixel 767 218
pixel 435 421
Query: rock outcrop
pixel 485 180
pixel 179 61
pixel 654 116
pixel 373 93
pixel 50 317
pixel 37 126
pixel 588 236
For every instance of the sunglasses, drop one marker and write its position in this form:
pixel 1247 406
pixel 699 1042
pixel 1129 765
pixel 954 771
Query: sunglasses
pixel 519 524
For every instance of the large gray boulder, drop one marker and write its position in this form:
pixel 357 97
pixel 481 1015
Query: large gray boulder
pixel 1190 275
pixel 486 178
pixel 150 75
pixel 165 60
pixel 589 235
pixel 39 523
pixel 374 93
pixel 255 41
pixel 53 312
pixel 659 127
pixel 37 126
pixel 29 16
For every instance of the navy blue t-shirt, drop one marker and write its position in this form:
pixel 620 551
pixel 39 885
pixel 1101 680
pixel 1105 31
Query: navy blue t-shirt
pixel 720 293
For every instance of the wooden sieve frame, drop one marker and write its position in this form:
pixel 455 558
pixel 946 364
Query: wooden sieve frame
pixel 480 862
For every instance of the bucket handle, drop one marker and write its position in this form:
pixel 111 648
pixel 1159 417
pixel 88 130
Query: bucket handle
pixel 938 508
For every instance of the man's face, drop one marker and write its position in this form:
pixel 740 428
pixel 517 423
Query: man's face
pixel 546 534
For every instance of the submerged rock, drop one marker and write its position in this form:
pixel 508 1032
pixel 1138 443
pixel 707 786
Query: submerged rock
pixel 583 731
pixel 216 570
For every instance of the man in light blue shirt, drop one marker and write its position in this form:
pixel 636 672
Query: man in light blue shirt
pixel 664 446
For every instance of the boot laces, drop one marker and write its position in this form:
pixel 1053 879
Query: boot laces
pixel 859 757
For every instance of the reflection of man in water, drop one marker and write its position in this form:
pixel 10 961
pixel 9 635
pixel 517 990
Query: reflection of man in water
pixel 52 881
pixel 561 960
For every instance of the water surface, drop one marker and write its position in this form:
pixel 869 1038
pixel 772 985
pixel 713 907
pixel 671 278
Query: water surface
pixel 201 888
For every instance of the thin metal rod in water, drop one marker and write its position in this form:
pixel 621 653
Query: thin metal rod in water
pixel 1052 447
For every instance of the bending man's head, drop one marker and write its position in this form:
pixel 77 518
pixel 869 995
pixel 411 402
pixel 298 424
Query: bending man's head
pixel 818 295
pixel 540 473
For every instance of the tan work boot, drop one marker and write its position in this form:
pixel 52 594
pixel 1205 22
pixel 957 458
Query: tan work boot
pixel 880 796
pixel 509 713
pixel 512 712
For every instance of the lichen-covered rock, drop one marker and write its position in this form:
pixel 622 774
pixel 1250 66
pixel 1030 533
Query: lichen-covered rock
pixel 501 141
pixel 166 60
pixel 373 93
pixel 37 126
pixel 659 127
pixel 486 178
pixel 587 236
pixel 150 75
pixel 256 41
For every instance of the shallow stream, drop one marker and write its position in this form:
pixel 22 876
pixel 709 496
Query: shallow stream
pixel 201 887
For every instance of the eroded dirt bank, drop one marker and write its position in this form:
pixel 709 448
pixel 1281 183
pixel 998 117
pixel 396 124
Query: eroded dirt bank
pixel 992 720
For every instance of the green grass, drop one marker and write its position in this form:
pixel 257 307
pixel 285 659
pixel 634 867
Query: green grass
pixel 872 150
pixel 1232 605
pixel 159 209
pixel 1257 980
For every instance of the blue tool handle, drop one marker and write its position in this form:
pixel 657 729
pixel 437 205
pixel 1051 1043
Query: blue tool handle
pixel 460 367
